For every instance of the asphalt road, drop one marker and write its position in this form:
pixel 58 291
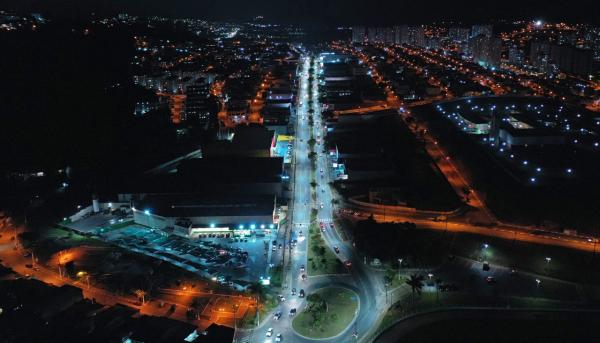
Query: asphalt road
pixel 366 283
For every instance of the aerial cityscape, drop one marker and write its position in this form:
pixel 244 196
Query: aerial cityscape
pixel 313 172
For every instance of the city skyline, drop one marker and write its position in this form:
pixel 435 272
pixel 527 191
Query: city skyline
pixel 202 174
pixel 330 12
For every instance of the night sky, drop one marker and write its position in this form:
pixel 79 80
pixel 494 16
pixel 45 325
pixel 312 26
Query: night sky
pixel 326 11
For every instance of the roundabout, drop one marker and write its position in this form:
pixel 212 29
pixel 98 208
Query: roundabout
pixel 328 313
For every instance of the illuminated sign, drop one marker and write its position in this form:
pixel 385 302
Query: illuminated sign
pixel 284 138
pixel 209 229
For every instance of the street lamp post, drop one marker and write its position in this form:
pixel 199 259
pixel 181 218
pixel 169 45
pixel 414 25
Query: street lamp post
pixel 595 240
pixel 399 267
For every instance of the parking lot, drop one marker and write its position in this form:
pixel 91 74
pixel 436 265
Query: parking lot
pixel 99 222
pixel 235 262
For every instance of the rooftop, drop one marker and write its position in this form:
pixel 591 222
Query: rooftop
pixel 181 205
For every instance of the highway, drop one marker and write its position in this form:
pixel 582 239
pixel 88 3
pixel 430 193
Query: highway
pixel 367 284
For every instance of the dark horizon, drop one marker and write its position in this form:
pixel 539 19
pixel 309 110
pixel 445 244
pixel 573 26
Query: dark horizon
pixel 312 12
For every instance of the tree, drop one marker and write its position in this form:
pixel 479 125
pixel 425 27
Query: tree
pixel 389 276
pixel 321 251
pixel 315 249
pixel 317 307
pixel 313 298
pixel 141 294
pixel 28 239
pixel 416 284
pixel 70 268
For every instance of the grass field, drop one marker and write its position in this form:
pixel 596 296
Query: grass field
pixel 429 248
pixel 342 304
pixel 558 262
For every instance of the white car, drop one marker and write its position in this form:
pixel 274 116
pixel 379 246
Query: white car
pixel 278 338
pixel 269 332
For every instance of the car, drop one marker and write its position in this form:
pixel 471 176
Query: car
pixel 277 315
pixel 30 266
pixel 303 276
pixel 321 170
pixel 486 266
pixel 348 263
pixel 278 338
pixel 281 298
pixel 301 294
pixel 336 249
pixel 280 246
pixel 269 332
pixel 302 269
pixel 292 312
pixel 274 248
pixel 321 205
pixel 293 291
pixel 490 280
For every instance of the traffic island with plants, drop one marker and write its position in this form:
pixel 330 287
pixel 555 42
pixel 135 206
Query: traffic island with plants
pixel 328 312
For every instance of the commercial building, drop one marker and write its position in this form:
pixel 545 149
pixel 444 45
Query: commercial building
pixel 416 36
pixel 482 30
pixel 529 137
pixel 248 141
pixel 572 60
pixel 516 56
pixel 548 58
pixel 486 51
pixel 194 216
pixel 211 176
pixel 196 108
pixel 401 34
pixel 359 34
pixel 459 34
